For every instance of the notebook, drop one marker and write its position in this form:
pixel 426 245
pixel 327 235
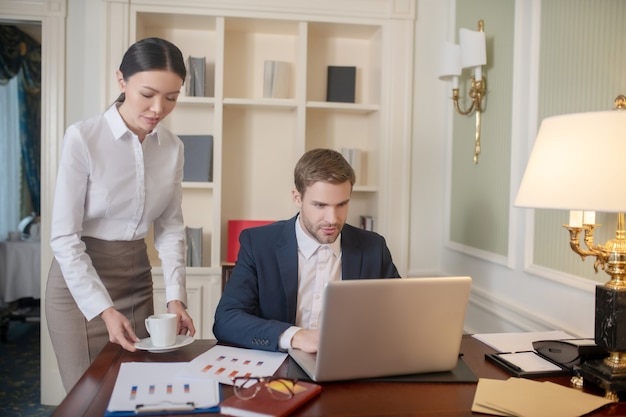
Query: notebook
pixel 382 327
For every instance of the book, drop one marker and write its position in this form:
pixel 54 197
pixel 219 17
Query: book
pixel 264 405
pixel 341 84
pixel 195 76
pixel 275 79
pixel 194 246
pixel 198 157
pixel 367 223
pixel 354 157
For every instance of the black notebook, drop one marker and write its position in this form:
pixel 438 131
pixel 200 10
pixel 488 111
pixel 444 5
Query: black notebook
pixel 341 84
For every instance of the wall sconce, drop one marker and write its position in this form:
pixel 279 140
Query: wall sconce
pixel 577 164
pixel 471 53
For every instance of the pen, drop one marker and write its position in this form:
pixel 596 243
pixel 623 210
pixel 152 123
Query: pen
pixel 514 367
pixel 503 362
pixel 165 406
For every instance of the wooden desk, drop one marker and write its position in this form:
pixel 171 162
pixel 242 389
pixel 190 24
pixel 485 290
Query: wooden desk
pixel 91 394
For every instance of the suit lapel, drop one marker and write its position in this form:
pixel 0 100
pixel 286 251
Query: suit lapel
pixel 287 260
pixel 350 254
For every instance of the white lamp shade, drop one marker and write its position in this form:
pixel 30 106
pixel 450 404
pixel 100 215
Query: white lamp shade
pixel 473 48
pixel 578 163
pixel 450 65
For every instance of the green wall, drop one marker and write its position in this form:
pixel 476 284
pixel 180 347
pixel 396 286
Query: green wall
pixel 582 67
pixel 479 205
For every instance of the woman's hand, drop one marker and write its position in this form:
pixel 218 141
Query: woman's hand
pixel 185 323
pixel 119 328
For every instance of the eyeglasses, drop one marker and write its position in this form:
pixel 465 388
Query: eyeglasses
pixel 246 388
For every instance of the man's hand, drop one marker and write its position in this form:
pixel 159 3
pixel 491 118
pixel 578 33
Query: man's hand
pixel 120 329
pixel 306 340
pixel 185 323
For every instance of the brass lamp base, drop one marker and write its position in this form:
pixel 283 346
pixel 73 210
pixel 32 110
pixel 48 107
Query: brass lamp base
pixel 610 333
pixel 602 375
pixel 610 318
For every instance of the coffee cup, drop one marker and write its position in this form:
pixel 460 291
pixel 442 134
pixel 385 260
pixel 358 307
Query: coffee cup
pixel 162 329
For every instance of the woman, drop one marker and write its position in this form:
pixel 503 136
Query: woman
pixel 120 173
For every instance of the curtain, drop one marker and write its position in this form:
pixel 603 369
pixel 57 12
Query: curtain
pixel 20 56
pixel 10 178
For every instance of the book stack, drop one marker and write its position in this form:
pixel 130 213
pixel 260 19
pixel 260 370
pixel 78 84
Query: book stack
pixel 367 223
pixel 276 79
pixel 196 76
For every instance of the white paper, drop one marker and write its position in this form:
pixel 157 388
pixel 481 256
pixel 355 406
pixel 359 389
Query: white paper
pixel 157 384
pixel 519 342
pixel 221 363
pixel 529 362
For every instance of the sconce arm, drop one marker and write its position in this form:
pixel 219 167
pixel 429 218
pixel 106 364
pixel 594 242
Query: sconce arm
pixel 457 106
pixel 476 93
pixel 592 249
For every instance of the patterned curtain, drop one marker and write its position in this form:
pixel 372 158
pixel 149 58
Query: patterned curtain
pixel 20 56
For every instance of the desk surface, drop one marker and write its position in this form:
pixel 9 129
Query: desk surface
pixel 91 394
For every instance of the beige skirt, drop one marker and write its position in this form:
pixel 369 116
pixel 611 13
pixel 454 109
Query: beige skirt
pixel 125 271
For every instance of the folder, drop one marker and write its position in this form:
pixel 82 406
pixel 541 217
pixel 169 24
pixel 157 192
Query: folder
pixel 527 364
pixel 154 388
pixel 235 228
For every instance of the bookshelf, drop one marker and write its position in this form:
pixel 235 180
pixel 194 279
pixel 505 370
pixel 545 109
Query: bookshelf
pixel 257 140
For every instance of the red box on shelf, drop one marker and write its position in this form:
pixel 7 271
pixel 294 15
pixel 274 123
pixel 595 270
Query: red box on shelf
pixel 234 229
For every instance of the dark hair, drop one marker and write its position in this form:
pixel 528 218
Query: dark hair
pixel 151 54
pixel 324 165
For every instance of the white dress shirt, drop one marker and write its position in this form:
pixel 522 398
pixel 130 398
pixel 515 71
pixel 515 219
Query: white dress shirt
pixel 112 187
pixel 317 265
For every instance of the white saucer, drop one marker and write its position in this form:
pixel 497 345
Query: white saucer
pixel 146 344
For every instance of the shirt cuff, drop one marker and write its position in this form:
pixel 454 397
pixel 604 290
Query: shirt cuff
pixel 284 341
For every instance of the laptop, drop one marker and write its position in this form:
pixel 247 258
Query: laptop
pixel 383 327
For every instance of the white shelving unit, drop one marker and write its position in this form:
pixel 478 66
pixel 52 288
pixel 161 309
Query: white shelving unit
pixel 258 140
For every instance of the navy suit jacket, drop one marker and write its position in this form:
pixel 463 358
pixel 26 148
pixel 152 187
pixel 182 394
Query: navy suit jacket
pixel 260 299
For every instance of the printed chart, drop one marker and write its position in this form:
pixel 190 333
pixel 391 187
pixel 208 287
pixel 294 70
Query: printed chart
pixel 142 386
pixel 223 363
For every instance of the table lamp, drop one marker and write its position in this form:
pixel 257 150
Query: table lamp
pixel 576 164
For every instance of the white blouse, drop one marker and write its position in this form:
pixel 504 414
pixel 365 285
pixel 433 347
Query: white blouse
pixel 112 187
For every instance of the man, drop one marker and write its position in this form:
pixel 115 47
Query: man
pixel 273 298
